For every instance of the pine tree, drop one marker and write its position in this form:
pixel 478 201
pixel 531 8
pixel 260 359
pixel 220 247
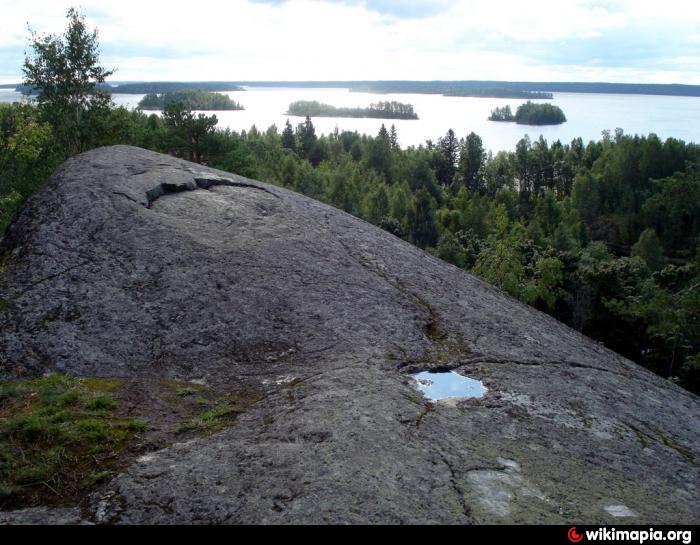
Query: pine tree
pixel 471 163
pixel 383 134
pixel 288 139
pixel 422 219
pixel 189 131
pixel 445 168
pixel 393 138
pixel 306 138
pixel 649 248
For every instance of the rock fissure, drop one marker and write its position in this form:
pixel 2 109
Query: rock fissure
pixel 198 182
pixel 457 489
pixel 34 284
pixel 432 328
pixel 122 194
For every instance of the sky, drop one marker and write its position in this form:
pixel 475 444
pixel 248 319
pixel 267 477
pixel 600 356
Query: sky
pixel 629 41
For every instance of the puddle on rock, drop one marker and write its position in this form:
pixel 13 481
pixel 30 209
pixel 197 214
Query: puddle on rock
pixel 448 385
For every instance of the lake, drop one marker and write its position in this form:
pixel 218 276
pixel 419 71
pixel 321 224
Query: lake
pixel 588 115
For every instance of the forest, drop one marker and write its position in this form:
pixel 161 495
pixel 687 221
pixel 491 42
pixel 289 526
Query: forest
pixel 380 110
pixel 603 235
pixel 193 99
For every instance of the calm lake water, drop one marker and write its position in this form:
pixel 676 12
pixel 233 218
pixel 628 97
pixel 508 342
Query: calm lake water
pixel 448 385
pixel 588 115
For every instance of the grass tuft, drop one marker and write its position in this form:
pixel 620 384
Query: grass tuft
pixel 60 436
pixel 57 432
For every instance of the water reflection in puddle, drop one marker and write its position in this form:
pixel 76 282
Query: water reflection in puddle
pixel 448 385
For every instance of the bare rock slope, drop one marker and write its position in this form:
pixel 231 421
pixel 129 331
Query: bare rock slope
pixel 135 264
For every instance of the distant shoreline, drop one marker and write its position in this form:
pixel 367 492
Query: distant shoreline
pixel 449 88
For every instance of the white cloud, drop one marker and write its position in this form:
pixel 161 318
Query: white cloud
pixel 313 39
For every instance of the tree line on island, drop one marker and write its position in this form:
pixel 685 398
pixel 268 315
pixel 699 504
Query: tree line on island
pixel 530 113
pixel 193 99
pixel 380 110
pixel 604 235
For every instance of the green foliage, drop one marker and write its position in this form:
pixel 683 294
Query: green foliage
pixel 649 248
pixel 27 156
pixel 64 71
pixel 57 432
pixel 192 99
pixel 307 142
pixel 188 132
pixel 450 249
pixel 532 113
pixel 223 414
pixel 61 435
pixel 421 219
pixel 100 403
pixel 380 110
pixel 674 211
pixel 502 114
pixel 501 260
pixel 545 284
pixel 586 197
pixel 472 160
pixel 288 140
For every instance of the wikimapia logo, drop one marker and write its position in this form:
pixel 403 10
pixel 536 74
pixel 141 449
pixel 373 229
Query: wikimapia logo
pixel 574 536
pixel 635 536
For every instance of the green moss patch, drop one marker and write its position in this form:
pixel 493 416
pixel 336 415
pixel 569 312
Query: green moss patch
pixel 57 433
pixel 205 411
pixel 60 436
pixel 682 451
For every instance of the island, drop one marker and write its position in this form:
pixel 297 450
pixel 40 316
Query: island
pixel 380 110
pixel 194 99
pixel 530 113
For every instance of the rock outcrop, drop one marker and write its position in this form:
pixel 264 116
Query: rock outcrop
pixel 135 264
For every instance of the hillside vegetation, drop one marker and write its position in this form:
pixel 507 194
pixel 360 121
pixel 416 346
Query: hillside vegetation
pixel 603 236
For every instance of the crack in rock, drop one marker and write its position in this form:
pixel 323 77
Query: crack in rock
pixel 202 181
pixel 457 489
